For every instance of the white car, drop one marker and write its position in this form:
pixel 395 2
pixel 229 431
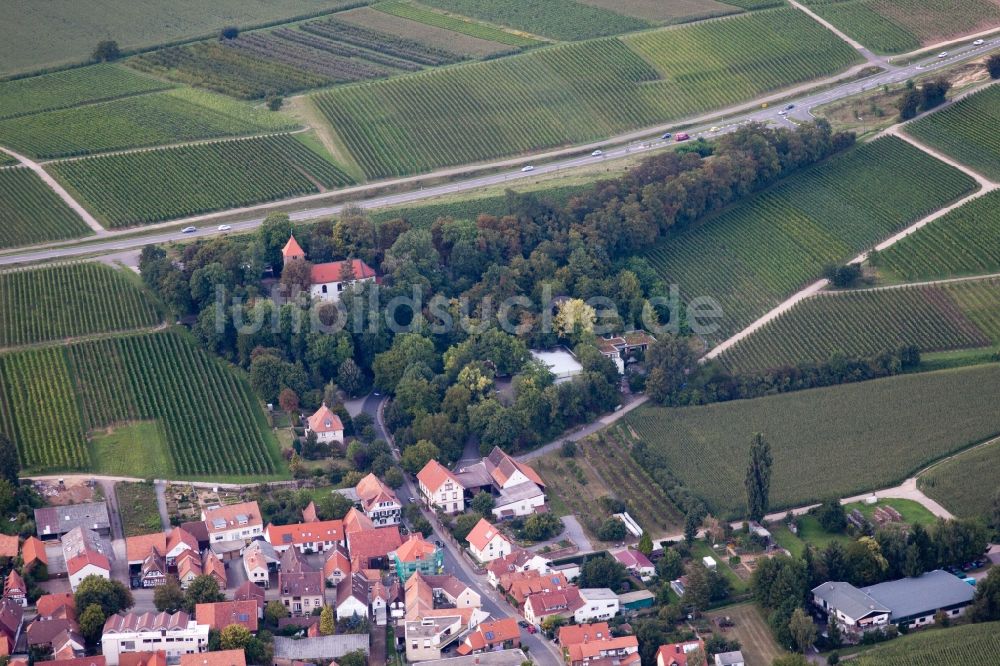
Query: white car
pixel 597 153
pixel 189 230
pixel 225 227
pixel 943 54
pixel 783 113
pixel 978 42
pixel 527 168
pixel 714 129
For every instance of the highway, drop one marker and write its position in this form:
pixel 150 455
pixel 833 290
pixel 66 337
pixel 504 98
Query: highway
pixel 615 148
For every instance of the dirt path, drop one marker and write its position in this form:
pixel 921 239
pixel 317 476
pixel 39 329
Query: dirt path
pixel 58 189
pixel 589 429
pixel 869 56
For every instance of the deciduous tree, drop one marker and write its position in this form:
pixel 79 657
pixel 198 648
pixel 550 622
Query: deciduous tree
pixel 169 597
pixel 802 629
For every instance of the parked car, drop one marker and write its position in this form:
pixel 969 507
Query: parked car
pixel 523 624
pixel 528 168
pixel 714 129
pixel 225 227
pixel 978 42
pixel 597 153
pixel 189 230
pixel 789 107
pixel 531 629
pixel 782 113
pixel 666 136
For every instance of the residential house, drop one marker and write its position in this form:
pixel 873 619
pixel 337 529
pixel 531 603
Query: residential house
pixel 316 537
pixel 199 530
pixel 487 543
pixel 220 615
pixel 9 546
pixel 327 426
pixel 233 522
pixel 734 658
pixel 518 561
pixel 378 501
pixel 330 279
pixel 370 549
pixel 432 620
pixel 217 658
pixel 52 522
pixel 517 489
pixel 599 603
pixel 677 654
pixel 248 591
pixel 636 563
pixel 212 566
pixel 337 566
pixel 56 629
pixel 33 553
pixel 154 658
pixel 15 589
pixel 520 585
pixel 67 645
pixel 560 361
pixel 11 621
pixel 55 604
pixel 620 348
pixel 96 660
pixel 260 560
pixel 86 553
pixel 440 488
pixel 449 590
pixel 497 658
pixel 189 567
pixel 607 651
pixel 301 588
pixel 636 600
pixel 289 651
pixel 416 554
pixel 502 634
pixel 153 571
pixel 560 603
pixel 571 634
pixel 179 541
pixel 907 601
pixel 137 547
pixel 353 597
pixel 309 514
pixel 176 634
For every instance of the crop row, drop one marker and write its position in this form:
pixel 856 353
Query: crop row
pixel 764 249
pixel 30 212
pixel 969 645
pixel 965 241
pixel 558 19
pixel 414 12
pixel 146 120
pixel 967 131
pixel 966 484
pixel 72 87
pixel 150 186
pixel 828 442
pixel 381 42
pixel 860 20
pixel 69 300
pixel 866 323
pixel 38 411
pixel 575 92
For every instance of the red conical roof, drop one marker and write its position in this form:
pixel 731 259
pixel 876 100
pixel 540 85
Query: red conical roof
pixel 292 249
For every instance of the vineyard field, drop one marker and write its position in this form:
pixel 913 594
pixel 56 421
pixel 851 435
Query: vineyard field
pixel 7 160
pixel 967 131
pixel 133 122
pixel 898 26
pixel 30 212
pixel 965 241
pixel 70 300
pixel 765 248
pixel 969 645
pixel 822 440
pixel 71 87
pixel 868 322
pixel 655 11
pixel 556 19
pixel 462 25
pixel 966 484
pixel 152 186
pixel 429 35
pixel 575 92
pixel 323 52
pixel 50 398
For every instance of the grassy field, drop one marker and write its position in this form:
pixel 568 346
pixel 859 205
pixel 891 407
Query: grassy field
pixel 134 122
pixel 431 35
pixel 913 513
pixel 969 645
pixel 868 322
pixel 765 248
pixel 30 212
pixel 124 449
pixel 965 484
pixel 677 11
pixel 69 301
pixel 51 398
pixel 151 186
pixel 35 35
pixel 68 88
pixel 828 442
pixel 453 23
pixel 966 241
pixel 750 629
pixel 138 508
pixel 558 19
pixel 897 26
pixel 966 131
pixel 576 92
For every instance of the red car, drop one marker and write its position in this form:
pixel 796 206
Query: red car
pixel 532 629
pixel 681 136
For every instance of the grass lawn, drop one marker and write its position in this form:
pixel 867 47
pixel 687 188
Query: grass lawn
pixel 137 506
pixel 751 630
pixel 913 512
pixel 135 449
pixel 810 531
pixel 701 549
pixel 790 542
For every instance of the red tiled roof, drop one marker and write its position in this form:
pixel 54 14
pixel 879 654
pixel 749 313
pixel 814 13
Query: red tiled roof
pixel 33 550
pixel 48 604
pixel 633 559
pixel 357 521
pixel 303 533
pixel 590 649
pixel 85 557
pixel 415 549
pixel 137 547
pixel 8 546
pixel 556 601
pixel 230 514
pixel 482 534
pixel 14 583
pixel 178 536
pixel 131 622
pixel 373 543
pixel 292 249
pixel 674 654
pixel 325 420
pixel 158 658
pixel 309 513
pixel 583 633
pixel 96 660
pixel 337 560
pixel 434 474
pixel 221 658
pixel 220 615
pixel 334 271
pixel 488 634
pixel 212 566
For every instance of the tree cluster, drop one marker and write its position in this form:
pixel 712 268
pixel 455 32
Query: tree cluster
pixel 931 94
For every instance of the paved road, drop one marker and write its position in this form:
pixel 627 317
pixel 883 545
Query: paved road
pixel 625 145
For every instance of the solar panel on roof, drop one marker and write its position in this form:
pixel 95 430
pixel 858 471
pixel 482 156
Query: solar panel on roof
pixel 219 523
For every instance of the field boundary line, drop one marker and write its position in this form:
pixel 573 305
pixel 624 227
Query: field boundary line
pixel 855 44
pixel 169 146
pixel 61 192
pixel 90 337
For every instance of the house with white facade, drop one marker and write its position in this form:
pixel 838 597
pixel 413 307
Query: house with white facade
pixel 176 634
pixel 599 603
pixel 378 501
pixel 318 537
pixel 327 426
pixel 233 522
pixel 86 554
pixel 518 561
pixel 440 488
pixel 487 543
pixel 517 489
